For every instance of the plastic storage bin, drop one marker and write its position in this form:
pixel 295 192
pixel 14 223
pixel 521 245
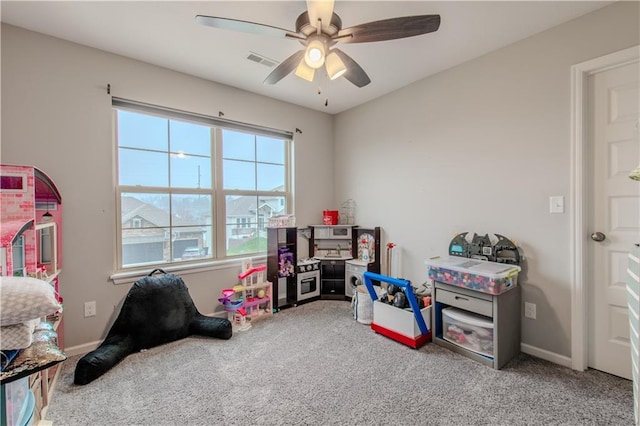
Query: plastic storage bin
pixel 474 274
pixel 18 403
pixel 469 330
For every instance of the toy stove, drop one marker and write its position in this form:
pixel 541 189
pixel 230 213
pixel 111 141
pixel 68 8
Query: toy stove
pixel 308 279
pixel 307 265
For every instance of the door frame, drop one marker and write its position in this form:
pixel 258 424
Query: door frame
pixel 579 140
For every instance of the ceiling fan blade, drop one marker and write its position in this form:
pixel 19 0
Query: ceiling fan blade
pixel 355 74
pixel 390 29
pixel 246 27
pixel 285 68
pixel 320 9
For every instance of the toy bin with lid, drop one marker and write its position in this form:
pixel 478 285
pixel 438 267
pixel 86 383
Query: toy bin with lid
pixel 474 274
pixel 469 330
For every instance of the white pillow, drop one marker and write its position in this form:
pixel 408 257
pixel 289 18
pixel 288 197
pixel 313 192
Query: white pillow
pixel 25 298
pixel 17 336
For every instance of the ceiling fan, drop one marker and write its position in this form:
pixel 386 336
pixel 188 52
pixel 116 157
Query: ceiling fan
pixel 319 29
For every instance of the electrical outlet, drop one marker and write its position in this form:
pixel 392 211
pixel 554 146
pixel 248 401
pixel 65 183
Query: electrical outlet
pixel 529 310
pixel 90 309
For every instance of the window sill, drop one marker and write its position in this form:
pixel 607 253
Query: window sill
pixel 128 277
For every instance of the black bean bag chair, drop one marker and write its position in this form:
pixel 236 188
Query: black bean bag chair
pixel 158 309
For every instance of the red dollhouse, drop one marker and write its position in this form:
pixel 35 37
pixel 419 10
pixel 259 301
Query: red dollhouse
pixel 31 221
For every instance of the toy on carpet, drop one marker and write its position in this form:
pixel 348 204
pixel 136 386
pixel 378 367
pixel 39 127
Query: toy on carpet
pixel 157 310
pixel 248 300
pixel 397 296
pixel 391 318
pixel 234 307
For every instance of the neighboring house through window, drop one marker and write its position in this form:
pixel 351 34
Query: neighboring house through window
pixel 195 187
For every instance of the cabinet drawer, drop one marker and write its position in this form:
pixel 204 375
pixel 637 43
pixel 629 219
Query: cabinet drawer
pixel 332 287
pixel 462 301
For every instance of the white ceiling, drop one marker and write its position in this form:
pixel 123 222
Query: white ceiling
pixel 165 33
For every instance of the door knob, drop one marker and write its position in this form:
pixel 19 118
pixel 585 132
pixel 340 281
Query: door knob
pixel 598 236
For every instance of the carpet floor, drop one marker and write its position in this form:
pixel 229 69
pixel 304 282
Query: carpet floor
pixel 314 365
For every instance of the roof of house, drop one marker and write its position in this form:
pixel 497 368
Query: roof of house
pixel 133 207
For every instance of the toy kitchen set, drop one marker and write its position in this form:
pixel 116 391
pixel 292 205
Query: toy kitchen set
pixel 345 252
pixel 338 255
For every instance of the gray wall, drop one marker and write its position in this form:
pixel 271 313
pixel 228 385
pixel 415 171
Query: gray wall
pixel 56 115
pixel 480 148
pixel 476 148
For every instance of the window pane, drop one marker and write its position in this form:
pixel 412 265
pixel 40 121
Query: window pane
pixel 145 228
pixel 238 146
pixel 192 226
pixel 191 209
pixel 142 131
pixel 270 177
pixel 192 242
pixel 140 249
pixel 143 168
pixel 243 235
pixel 190 138
pixel 239 175
pixel 270 150
pixel 270 207
pixel 145 210
pixel 190 172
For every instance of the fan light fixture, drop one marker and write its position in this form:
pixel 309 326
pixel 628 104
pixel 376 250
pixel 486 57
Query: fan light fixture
pixel 314 55
pixel 318 29
pixel 304 71
pixel 335 66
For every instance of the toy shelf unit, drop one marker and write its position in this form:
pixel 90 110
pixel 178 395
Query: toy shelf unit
pixel 282 249
pixel 476 308
pixel 249 301
pixel 257 293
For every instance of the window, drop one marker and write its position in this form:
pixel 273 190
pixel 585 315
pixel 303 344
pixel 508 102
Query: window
pixel 191 187
pixel 18 258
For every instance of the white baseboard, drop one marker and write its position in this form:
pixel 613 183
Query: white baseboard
pixel 546 355
pixel 82 349
pixel 88 347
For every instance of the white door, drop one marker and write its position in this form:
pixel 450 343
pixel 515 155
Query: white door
pixel 614 203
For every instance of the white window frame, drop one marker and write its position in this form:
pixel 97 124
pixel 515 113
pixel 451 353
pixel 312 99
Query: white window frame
pixel 218 195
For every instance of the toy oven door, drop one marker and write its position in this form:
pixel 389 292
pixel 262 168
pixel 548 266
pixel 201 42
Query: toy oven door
pixel 308 285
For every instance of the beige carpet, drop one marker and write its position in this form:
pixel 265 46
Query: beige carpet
pixel 315 365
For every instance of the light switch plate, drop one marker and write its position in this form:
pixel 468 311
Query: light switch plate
pixel 556 204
